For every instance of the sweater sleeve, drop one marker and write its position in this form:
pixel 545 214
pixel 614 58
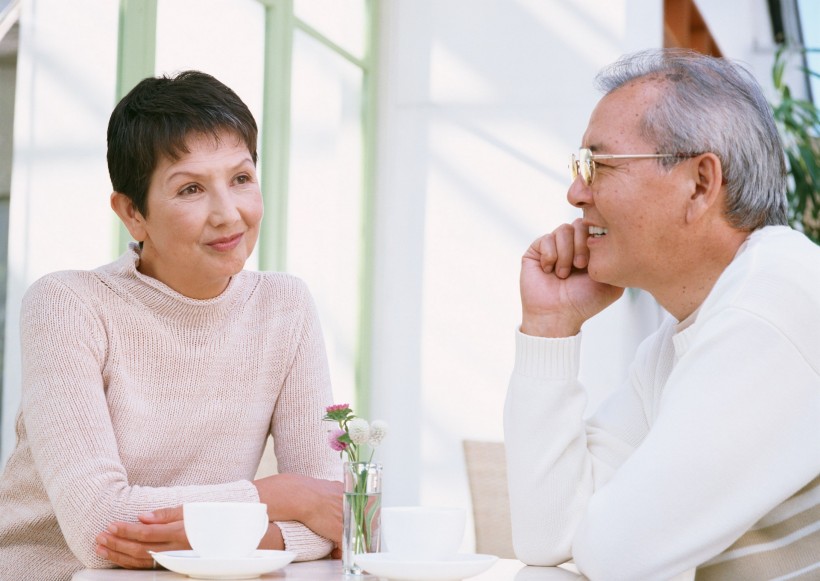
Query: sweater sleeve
pixel 672 468
pixel 69 427
pixel 299 434
pixel 553 459
pixel 735 436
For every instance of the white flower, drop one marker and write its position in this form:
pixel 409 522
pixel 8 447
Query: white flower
pixel 378 430
pixel 359 431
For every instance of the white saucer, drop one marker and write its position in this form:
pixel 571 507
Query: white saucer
pixel 190 564
pixel 453 569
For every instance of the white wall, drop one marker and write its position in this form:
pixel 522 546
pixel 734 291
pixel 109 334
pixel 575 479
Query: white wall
pixel 59 216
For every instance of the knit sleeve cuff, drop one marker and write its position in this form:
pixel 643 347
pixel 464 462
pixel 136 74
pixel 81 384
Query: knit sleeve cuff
pixel 307 545
pixel 238 491
pixel 547 358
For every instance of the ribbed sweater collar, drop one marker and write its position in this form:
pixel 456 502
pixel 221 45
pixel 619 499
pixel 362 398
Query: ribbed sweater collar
pixel 163 300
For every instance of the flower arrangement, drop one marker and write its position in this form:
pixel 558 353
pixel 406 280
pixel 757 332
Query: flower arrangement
pixel 353 433
pixel 362 500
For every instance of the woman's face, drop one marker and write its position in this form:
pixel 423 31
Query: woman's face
pixel 204 211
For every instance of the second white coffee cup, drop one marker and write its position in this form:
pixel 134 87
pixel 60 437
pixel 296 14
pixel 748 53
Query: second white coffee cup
pixel 225 530
pixel 419 533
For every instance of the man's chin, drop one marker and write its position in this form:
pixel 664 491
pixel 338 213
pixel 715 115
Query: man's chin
pixel 604 276
pixel 598 273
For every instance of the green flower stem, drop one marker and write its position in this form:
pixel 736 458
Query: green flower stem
pixel 364 508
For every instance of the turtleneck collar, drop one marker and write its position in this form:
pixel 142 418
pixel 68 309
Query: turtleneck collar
pixel 158 296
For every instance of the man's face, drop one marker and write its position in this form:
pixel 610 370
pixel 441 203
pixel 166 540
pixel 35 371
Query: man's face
pixel 639 204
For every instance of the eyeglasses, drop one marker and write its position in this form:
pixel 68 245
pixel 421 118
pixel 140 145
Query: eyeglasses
pixel 585 163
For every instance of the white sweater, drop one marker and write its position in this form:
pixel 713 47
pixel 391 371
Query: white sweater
pixel 136 397
pixel 717 426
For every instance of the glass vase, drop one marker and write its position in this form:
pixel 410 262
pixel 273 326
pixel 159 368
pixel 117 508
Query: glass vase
pixel 362 512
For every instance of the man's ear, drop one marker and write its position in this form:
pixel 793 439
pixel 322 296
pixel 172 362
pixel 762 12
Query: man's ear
pixel 708 192
pixel 130 216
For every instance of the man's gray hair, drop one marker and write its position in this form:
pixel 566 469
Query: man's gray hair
pixel 713 105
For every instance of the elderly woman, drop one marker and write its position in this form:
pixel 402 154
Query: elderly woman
pixel 155 380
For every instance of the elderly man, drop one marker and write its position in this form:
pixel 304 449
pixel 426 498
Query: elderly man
pixel 708 456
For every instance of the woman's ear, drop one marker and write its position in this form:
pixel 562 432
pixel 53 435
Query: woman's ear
pixel 132 218
pixel 708 192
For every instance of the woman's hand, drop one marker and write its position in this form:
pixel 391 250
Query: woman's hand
pixel 313 502
pixel 127 544
pixel 323 509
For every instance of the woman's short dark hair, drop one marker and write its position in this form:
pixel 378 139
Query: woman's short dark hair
pixel 156 119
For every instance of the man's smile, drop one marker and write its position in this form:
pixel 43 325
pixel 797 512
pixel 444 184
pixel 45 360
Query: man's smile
pixel 597 231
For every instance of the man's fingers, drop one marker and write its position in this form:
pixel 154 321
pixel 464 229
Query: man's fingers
pixel 565 248
pixel 560 250
pixel 541 252
pixel 581 251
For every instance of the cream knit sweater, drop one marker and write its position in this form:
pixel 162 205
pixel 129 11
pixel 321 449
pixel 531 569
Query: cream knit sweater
pixel 136 397
pixel 708 456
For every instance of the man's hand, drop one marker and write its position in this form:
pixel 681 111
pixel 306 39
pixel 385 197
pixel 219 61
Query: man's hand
pixel 127 544
pixel 315 503
pixel 557 295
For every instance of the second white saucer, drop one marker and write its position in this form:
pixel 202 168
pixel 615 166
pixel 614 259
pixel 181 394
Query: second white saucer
pixel 455 568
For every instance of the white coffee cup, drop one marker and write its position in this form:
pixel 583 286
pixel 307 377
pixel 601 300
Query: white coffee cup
pixel 419 533
pixel 225 530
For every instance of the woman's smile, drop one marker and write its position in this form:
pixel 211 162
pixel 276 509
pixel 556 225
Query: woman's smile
pixel 226 243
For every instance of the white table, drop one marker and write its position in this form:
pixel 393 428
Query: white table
pixel 331 570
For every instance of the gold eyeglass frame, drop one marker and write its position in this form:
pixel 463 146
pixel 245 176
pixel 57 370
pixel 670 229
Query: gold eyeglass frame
pixel 585 164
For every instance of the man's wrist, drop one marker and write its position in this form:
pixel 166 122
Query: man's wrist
pixel 549 326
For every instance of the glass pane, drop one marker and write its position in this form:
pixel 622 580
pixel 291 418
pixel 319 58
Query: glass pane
pixel 810 21
pixel 224 38
pixel 342 21
pixel 325 196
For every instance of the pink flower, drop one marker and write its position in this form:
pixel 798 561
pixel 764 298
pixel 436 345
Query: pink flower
pixel 333 439
pixel 339 412
pixel 352 433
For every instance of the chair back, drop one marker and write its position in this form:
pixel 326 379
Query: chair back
pixel 487 476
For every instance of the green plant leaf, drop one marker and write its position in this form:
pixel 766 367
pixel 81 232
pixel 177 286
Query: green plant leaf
pixel 798 121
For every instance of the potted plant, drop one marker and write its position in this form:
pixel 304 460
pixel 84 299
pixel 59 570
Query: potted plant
pixel 799 123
